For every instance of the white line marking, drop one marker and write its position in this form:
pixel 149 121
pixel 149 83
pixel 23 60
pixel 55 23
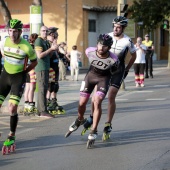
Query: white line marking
pixel 25 130
pixel 122 99
pixel 161 85
pixel 144 91
pixel 157 99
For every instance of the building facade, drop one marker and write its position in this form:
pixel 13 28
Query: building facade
pixel 81 21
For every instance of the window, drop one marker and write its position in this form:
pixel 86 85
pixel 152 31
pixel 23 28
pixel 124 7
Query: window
pixel 92 25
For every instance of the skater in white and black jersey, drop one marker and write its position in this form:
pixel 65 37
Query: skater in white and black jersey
pixel 102 61
pixel 120 47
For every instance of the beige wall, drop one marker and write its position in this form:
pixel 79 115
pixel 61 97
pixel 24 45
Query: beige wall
pixel 77 34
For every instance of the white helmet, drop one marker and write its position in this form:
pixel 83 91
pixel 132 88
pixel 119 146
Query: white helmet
pixel 123 21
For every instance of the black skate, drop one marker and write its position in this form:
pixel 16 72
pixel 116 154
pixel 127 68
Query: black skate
pixel 74 126
pixel 87 125
pixel 91 139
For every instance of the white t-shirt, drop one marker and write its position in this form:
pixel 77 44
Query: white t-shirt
pixel 140 54
pixel 74 58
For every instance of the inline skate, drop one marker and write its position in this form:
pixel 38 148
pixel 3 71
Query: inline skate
pixel 87 125
pixel 74 126
pixel 9 145
pixel 91 139
pixel 106 131
pixel 30 109
pixel 54 109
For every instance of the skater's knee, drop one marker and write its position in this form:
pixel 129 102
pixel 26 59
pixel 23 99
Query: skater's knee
pixel 13 109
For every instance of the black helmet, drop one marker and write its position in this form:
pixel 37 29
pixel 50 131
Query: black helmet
pixel 52 30
pixel 105 39
pixel 121 21
pixel 15 24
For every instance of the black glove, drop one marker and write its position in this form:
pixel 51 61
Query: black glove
pixel 126 73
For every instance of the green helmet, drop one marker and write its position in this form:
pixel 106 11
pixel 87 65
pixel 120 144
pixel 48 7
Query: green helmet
pixel 15 24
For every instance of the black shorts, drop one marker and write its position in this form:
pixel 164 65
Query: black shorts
pixel 118 77
pixel 12 83
pixel 91 80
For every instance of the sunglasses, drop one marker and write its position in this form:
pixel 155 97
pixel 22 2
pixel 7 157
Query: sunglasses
pixel 44 30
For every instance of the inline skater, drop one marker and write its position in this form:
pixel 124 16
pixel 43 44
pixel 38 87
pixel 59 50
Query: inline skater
pixel 101 61
pixel 121 45
pixel 53 86
pixel 16 52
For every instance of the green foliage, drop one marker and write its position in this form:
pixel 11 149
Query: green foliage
pixel 150 12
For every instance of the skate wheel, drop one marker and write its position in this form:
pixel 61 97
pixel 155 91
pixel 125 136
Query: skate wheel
pixel 68 134
pixel 4 150
pixel 105 137
pixel 13 147
pixel 89 144
pixel 83 132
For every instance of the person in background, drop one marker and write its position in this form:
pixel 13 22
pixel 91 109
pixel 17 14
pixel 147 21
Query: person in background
pixel 53 86
pixel 29 106
pixel 139 64
pixel 43 51
pixel 62 52
pixel 75 57
pixel 148 56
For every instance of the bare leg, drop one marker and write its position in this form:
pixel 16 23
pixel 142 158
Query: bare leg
pixel 97 111
pixel 111 103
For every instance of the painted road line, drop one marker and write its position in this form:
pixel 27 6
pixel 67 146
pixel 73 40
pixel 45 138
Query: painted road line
pixel 143 91
pixel 159 85
pixel 25 130
pixel 156 99
pixel 122 99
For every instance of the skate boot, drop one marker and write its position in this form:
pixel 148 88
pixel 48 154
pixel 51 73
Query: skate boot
pixel 60 110
pixel 106 131
pixel 25 108
pixel 91 138
pixel 87 124
pixel 31 109
pixel 9 145
pixel 74 126
pixel 52 107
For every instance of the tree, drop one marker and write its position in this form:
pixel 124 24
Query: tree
pixel 150 12
pixel 5 11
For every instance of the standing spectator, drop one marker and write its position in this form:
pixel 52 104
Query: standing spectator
pixel 43 50
pixel 139 64
pixel 149 54
pixel 29 106
pixel 53 86
pixel 62 52
pixel 75 57
pixel 16 52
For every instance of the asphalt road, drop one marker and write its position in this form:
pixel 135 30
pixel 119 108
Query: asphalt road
pixel 140 138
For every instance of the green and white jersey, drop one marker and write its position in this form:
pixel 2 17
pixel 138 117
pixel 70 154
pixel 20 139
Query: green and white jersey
pixel 16 55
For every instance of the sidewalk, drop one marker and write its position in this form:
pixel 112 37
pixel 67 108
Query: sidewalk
pixel 68 94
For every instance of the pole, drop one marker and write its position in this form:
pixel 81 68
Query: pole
pixel 66 15
pixel 122 87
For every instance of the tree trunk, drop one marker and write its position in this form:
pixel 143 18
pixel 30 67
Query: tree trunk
pixel 37 2
pixel 5 11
